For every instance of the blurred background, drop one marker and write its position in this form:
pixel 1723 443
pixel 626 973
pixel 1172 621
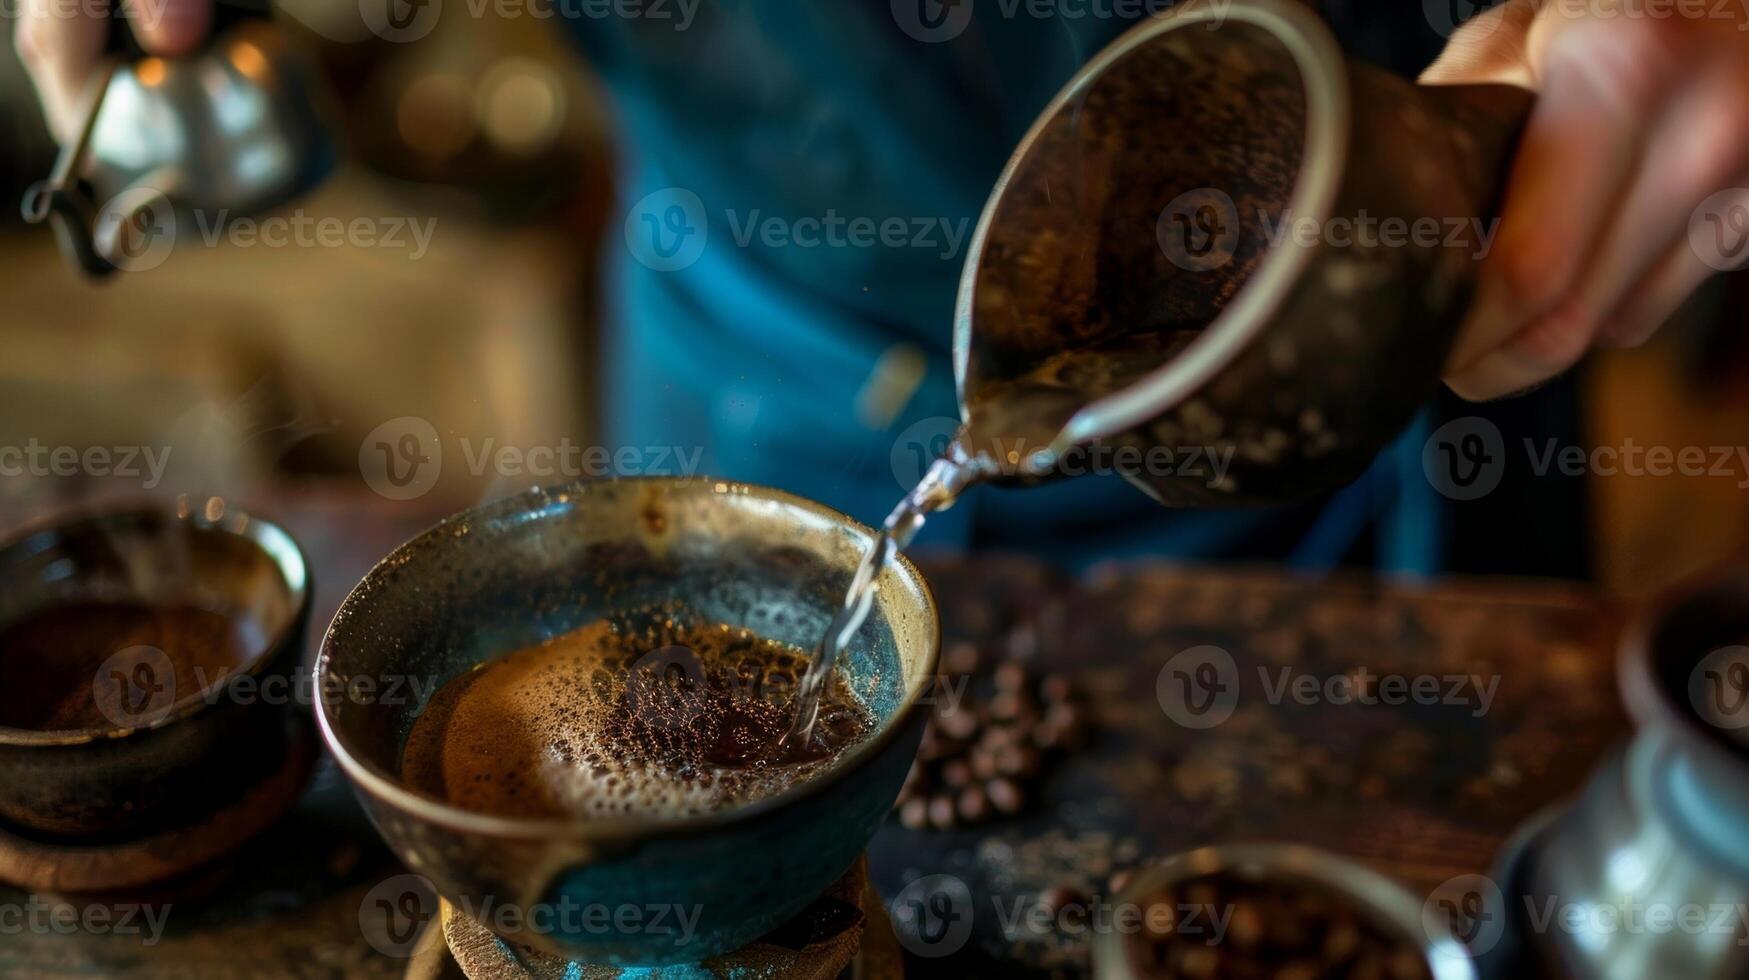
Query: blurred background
pixel 265 365
pixel 270 363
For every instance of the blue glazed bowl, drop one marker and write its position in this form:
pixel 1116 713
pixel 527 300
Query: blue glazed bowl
pixel 524 569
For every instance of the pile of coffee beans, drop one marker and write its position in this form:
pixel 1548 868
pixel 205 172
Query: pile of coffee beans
pixel 992 733
pixel 1273 930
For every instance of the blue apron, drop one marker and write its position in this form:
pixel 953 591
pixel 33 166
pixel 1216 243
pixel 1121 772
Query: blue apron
pixel 801 181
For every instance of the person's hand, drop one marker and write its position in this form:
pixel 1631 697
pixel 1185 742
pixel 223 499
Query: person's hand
pixel 62 41
pixel 1641 117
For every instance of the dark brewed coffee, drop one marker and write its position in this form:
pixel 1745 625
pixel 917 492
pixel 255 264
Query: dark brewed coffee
pixel 55 661
pixel 648 715
pixel 1008 419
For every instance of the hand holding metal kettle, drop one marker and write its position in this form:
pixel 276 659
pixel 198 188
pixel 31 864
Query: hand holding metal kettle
pixel 231 128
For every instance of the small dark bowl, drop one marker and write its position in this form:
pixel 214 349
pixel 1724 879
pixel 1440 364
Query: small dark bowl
pixel 531 567
pixel 190 751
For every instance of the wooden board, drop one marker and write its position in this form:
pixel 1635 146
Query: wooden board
pixel 1420 792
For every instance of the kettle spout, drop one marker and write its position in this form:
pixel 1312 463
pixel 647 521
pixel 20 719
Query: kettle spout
pixel 133 230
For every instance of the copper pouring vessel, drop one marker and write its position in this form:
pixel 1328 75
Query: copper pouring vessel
pixel 1215 170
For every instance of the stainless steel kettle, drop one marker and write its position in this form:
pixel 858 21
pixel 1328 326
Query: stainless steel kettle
pixel 229 131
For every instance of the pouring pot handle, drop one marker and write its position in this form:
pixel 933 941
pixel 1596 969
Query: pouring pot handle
pixel 1485 123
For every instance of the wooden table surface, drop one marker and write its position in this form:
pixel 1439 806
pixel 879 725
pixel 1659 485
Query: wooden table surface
pixel 1420 791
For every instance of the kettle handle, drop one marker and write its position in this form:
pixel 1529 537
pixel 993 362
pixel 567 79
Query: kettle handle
pixel 64 200
pixel 71 214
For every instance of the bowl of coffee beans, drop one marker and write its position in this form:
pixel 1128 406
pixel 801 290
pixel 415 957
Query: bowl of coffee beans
pixel 1273 912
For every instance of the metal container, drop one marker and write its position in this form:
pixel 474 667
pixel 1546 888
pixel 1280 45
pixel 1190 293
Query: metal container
pixel 1310 225
pixel 1647 873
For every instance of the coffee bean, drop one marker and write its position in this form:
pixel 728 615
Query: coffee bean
pixel 997 737
pixel 997 744
pixel 983 762
pixel 1118 881
pixel 973 805
pixel 1013 707
pixel 1005 795
pixel 959 722
pixel 941 815
pixel 1018 761
pixel 961 658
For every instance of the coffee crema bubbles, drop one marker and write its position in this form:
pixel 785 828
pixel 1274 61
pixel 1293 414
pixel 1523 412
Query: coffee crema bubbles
pixel 649 714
